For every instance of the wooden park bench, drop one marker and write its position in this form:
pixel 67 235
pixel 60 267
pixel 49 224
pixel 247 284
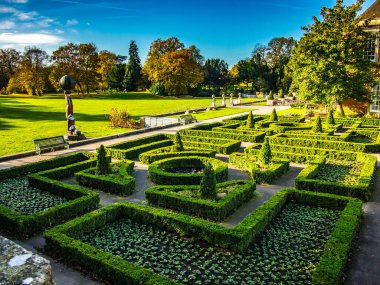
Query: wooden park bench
pixel 187 119
pixel 50 143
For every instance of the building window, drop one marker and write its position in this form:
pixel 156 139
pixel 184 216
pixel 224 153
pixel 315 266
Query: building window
pixel 370 51
pixel 375 99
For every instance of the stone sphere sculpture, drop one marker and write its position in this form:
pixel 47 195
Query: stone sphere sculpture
pixel 67 83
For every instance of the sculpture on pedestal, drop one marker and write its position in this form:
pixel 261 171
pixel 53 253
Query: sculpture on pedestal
pixel 239 99
pixel 232 99
pixel 223 100
pixel 213 103
pixel 67 83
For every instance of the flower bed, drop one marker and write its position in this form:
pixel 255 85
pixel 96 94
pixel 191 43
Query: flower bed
pixel 43 201
pixel 261 175
pixel 166 152
pixel 121 241
pixel 231 195
pixel 119 181
pixel 133 148
pixel 159 174
pixel 354 178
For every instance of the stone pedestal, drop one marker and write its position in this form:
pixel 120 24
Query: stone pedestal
pixel 20 266
pixel 72 137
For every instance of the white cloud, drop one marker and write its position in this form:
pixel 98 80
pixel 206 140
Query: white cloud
pixel 26 16
pixel 28 39
pixel 6 25
pixel 18 1
pixel 7 10
pixel 72 22
pixel 45 22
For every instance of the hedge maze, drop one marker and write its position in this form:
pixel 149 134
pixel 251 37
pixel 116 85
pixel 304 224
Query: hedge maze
pixel 179 234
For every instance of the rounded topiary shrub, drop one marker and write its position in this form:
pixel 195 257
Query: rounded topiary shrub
pixel 185 170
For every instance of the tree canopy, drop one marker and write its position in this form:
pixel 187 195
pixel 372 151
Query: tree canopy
pixel 328 64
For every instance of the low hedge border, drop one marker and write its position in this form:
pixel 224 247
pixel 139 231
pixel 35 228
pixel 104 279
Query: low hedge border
pixel 167 197
pixel 121 186
pixel 62 241
pixel 282 127
pixel 223 147
pixel 362 190
pixel 159 176
pixel 81 200
pixel 133 148
pixel 230 134
pixel 283 139
pixel 275 170
pixel 165 152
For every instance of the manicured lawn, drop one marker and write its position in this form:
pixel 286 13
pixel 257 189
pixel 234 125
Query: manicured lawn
pixel 24 118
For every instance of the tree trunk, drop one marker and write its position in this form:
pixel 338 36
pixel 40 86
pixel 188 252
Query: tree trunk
pixel 340 109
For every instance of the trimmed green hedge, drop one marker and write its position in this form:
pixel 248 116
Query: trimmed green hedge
pixel 272 172
pixel 62 241
pixel 223 146
pixel 133 148
pixel 305 180
pixel 165 152
pixel 282 127
pixel 123 185
pixel 81 200
pixel 241 135
pixel 284 139
pixel 167 197
pixel 159 175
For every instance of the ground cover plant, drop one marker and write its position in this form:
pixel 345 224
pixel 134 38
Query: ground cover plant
pixel 340 171
pixel 18 196
pixel 17 111
pixel 287 252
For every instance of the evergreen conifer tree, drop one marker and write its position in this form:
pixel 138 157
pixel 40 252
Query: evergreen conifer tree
pixel 330 117
pixel 132 76
pixel 250 122
pixel 317 127
pixel 265 154
pixel 273 116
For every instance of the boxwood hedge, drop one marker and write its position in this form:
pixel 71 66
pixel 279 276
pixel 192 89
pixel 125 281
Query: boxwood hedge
pixel 166 152
pixel 62 241
pixel 159 175
pixel 167 197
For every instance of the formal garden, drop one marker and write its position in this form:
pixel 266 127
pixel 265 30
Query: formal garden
pixel 181 231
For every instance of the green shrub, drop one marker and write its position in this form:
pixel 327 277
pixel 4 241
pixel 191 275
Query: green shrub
pixel 162 153
pixel 246 135
pixel 265 154
pixel 207 188
pixel 280 94
pixel 119 181
pixel 103 163
pixel 330 118
pixel 273 116
pixel 250 121
pixel 317 126
pixel 178 145
pixel 270 96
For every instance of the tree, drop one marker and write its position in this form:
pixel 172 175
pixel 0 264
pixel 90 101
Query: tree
pixel 32 70
pixel 78 60
pixel 265 154
pixel 250 121
pixel 115 78
pixel 103 163
pixel 270 96
pixel 273 116
pixel 216 72
pixel 330 117
pixel 133 68
pixel 317 126
pixel 9 61
pixel 328 64
pixel 207 187
pixel 281 94
pixel 107 60
pixel 176 67
pixel 178 145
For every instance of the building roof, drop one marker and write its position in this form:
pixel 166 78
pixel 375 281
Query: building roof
pixel 372 12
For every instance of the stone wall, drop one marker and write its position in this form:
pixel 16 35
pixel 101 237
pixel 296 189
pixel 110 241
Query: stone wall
pixel 21 267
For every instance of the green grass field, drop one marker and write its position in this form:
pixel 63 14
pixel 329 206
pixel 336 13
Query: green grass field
pixel 24 118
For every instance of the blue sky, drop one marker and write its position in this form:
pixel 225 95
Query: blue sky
pixel 226 29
